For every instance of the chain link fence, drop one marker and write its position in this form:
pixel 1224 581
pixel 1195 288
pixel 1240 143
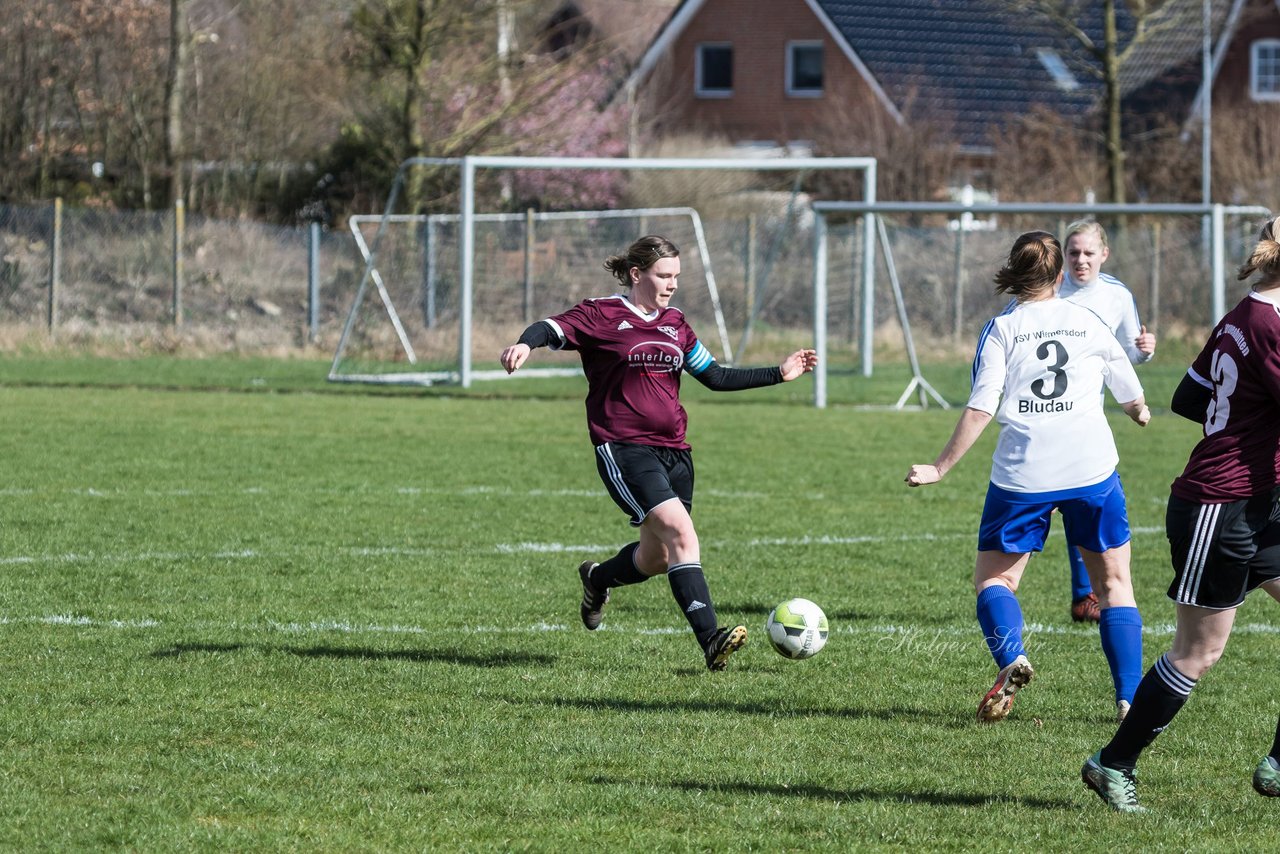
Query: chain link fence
pixel 222 286
pixel 243 286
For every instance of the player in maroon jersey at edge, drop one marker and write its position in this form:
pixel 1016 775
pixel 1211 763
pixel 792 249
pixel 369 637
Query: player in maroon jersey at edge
pixel 1223 522
pixel 633 347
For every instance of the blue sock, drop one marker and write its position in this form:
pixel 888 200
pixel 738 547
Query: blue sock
pixel 1121 632
pixel 1000 616
pixel 1080 586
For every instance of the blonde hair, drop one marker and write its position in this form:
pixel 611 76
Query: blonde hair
pixel 1087 226
pixel 642 254
pixel 1034 264
pixel 1266 255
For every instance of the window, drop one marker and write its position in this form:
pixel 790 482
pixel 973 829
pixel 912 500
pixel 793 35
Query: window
pixel 1264 70
pixel 714 71
pixel 804 69
pixel 1062 76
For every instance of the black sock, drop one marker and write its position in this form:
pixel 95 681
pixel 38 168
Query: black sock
pixel 619 570
pixel 689 586
pixel 1275 745
pixel 1161 693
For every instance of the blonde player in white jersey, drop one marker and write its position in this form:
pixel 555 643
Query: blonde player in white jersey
pixel 1040 371
pixel 1106 296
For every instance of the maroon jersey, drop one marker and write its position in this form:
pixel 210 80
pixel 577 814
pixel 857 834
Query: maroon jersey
pixel 1239 455
pixel 633 363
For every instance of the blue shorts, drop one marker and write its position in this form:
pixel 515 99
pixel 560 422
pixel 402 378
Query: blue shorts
pixel 1094 518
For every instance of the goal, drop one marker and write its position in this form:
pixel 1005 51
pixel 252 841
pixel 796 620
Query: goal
pixel 440 294
pixel 530 265
pixel 1173 257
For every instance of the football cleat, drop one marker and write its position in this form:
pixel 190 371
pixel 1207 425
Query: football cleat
pixel 1122 710
pixel 998 701
pixel 1086 609
pixel 1266 778
pixel 1118 788
pixel 593 600
pixel 724 643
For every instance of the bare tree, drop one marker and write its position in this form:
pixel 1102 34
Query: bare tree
pixel 175 93
pixel 1107 58
pixel 440 78
pixel 81 88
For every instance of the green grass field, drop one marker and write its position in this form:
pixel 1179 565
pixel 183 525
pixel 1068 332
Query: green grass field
pixel 243 610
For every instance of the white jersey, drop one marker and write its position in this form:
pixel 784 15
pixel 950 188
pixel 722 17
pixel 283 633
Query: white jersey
pixel 1108 298
pixel 1049 360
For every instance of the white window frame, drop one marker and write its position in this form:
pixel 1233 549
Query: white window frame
pixel 792 91
pixel 698 88
pixel 1254 59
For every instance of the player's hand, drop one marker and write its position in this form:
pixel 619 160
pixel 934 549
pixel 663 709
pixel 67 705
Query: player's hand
pixel 919 475
pixel 798 363
pixel 1138 411
pixel 513 357
pixel 1145 342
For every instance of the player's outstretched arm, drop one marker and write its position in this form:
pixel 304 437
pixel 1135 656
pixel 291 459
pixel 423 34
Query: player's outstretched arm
pixel 537 335
pixel 797 364
pixel 1138 411
pixel 970 426
pixel 719 378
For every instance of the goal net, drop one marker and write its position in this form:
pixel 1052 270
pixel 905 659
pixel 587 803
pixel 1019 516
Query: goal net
pixel 527 266
pixel 444 289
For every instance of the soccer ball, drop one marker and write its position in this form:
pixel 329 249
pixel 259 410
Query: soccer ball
pixel 797 628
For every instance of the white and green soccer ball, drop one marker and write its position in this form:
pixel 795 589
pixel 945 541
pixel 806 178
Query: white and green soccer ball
pixel 797 629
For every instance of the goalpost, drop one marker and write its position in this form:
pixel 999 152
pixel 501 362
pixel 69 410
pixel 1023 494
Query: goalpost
pixel 488 246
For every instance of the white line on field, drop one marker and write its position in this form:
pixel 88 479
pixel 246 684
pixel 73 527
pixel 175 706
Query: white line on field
pixel 820 540
pixel 500 548
pixel 230 554
pixel 504 491
pixel 907 634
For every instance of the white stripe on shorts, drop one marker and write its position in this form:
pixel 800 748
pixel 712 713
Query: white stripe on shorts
pixel 615 477
pixel 1198 553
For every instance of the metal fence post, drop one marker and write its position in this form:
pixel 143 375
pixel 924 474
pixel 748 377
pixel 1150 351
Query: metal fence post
pixel 429 268
pixel 1217 222
pixel 313 283
pixel 179 229
pixel 528 265
pixel 958 317
pixel 55 263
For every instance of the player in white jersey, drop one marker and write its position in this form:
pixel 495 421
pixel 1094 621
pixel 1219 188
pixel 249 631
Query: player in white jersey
pixel 1106 296
pixel 1040 371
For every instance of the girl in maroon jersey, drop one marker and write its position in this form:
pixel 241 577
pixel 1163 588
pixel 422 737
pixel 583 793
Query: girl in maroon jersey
pixel 1223 521
pixel 634 347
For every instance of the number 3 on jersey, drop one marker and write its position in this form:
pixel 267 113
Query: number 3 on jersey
pixel 1059 375
pixel 1223 373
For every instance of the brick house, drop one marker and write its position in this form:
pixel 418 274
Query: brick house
pixel 784 73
